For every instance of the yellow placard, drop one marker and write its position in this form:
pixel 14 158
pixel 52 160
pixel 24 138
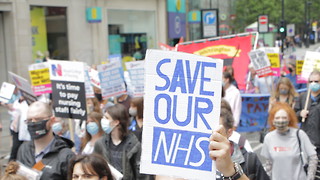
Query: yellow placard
pixel 40 77
pixel 299 65
pixel 274 60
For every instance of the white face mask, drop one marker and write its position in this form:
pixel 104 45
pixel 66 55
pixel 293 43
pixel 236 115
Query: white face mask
pixel 133 111
pixel 105 124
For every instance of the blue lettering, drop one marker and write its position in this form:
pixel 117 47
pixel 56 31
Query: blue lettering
pixel 178 79
pixel 203 79
pixel 192 80
pixel 200 111
pixel 163 76
pixel 167 98
pixel 174 113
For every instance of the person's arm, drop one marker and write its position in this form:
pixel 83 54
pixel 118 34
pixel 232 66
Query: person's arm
pixel 312 168
pixel 299 108
pixel 219 151
pixel 269 167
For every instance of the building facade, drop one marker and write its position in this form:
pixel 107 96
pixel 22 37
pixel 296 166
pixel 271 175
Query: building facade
pixel 31 30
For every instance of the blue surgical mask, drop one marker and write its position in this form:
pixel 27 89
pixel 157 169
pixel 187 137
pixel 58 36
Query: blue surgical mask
pixel 105 124
pixel 315 86
pixel 57 127
pixel 92 128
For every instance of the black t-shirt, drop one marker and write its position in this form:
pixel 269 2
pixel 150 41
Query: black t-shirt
pixel 116 153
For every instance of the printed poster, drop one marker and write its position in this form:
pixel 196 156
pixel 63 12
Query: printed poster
pixel 68 89
pixel 260 63
pixel 273 54
pixel 6 92
pixel 182 103
pixel 40 78
pixel 136 74
pixel 111 79
pixel 311 62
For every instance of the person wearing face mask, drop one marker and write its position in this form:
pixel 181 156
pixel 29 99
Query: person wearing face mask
pixel 136 111
pixel 293 76
pixel 46 151
pixel 281 146
pixel 61 128
pixel 284 92
pixel 232 96
pixel 311 125
pixel 119 146
pixel 93 132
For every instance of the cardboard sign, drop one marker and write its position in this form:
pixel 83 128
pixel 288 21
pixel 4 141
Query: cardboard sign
pixel 274 57
pixel 311 62
pixel 6 92
pixel 182 103
pixel 24 87
pixel 260 63
pixel 111 79
pixel 136 74
pixel 68 90
pixel 40 78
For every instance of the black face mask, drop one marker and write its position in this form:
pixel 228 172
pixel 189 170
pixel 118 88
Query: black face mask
pixel 38 129
pixel 290 70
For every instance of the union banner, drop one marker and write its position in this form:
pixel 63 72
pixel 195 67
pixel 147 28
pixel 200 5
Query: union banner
pixel 234 51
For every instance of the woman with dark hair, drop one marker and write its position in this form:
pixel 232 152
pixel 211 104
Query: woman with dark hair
pixel 136 111
pixel 91 167
pixel 119 147
pixel 230 70
pixel 93 132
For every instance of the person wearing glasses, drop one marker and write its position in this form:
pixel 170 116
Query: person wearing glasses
pixel 46 151
pixel 311 115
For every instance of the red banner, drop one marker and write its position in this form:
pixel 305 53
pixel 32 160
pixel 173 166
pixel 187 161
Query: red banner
pixel 234 51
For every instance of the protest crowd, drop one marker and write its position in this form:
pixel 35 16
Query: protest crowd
pixel 94 123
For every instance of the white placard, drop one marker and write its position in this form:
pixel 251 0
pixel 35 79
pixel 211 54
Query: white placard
pixel 260 63
pixel 136 74
pixel 87 83
pixel 6 92
pixel 94 78
pixel 182 107
pixel 66 71
pixel 311 62
pixel 111 79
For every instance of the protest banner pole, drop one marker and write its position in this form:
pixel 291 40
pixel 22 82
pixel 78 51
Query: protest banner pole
pixel 307 102
pixel 71 130
pixel 248 81
pixel 256 41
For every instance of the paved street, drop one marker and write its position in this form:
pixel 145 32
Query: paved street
pixel 5 140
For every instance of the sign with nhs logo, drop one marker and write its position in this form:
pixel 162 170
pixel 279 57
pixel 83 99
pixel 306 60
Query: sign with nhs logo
pixel 182 107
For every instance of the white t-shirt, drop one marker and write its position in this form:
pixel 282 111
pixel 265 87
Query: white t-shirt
pixel 88 149
pixel 233 97
pixel 235 137
pixel 283 151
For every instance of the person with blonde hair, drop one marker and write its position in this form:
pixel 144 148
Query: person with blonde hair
pixel 283 145
pixel 285 92
pixel 11 172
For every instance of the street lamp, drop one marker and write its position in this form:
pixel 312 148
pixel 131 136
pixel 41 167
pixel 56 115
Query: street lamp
pixel 307 20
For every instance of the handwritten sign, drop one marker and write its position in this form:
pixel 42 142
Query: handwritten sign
pixel 182 103
pixel 136 74
pixel 68 90
pixel 260 63
pixel 40 78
